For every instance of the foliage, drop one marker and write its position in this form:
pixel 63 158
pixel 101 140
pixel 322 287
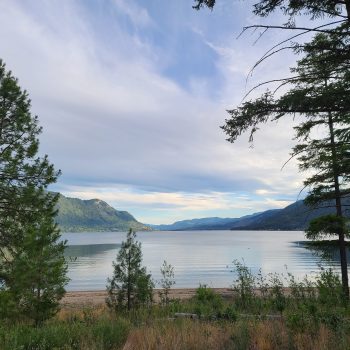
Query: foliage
pixel 244 284
pixel 167 281
pixel 37 273
pixel 311 318
pixel 201 3
pixel 319 91
pixel 315 9
pixel 329 288
pixel 131 285
pixel 325 226
pixel 102 333
pixel 23 175
pixel 76 215
pixel 32 266
pixel 207 302
pixel 278 299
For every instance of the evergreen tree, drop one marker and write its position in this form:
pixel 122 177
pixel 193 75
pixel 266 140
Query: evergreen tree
pixel 334 13
pixel 314 8
pixel 24 176
pixel 318 93
pixel 32 268
pixel 37 272
pixel 130 285
pixel 321 94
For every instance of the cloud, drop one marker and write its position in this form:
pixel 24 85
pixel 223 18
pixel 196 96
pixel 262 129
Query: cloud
pixel 116 113
pixel 139 16
pixel 179 205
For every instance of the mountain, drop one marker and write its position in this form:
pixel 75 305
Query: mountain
pixel 76 215
pixel 212 223
pixel 195 224
pixel 293 217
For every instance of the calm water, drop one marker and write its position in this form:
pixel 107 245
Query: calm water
pixel 197 256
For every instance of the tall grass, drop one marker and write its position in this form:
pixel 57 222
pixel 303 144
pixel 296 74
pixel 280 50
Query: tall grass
pixel 70 334
pixel 241 335
pixel 264 312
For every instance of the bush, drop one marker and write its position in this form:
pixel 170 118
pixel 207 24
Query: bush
pixel 277 296
pixel 207 302
pixel 229 314
pixel 244 285
pixel 329 288
pixel 166 282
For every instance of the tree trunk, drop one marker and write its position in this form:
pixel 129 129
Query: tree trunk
pixel 129 282
pixel 342 246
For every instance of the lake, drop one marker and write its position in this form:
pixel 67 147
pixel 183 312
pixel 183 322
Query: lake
pixel 197 256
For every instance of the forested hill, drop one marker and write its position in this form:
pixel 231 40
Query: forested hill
pixel 294 217
pixel 76 215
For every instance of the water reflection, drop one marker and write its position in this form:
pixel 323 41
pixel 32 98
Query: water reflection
pixel 326 254
pixel 197 256
pixel 77 251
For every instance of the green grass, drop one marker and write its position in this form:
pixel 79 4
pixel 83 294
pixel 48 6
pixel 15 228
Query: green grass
pixel 260 314
pixel 102 333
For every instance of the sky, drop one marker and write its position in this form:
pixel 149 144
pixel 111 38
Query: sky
pixel 131 95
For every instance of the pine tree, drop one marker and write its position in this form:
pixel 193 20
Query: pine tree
pixel 32 268
pixel 131 285
pixel 37 272
pixel 320 92
pixel 315 9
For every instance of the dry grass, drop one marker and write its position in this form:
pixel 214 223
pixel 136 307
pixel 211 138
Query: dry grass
pixel 186 334
pixel 251 335
pixel 92 312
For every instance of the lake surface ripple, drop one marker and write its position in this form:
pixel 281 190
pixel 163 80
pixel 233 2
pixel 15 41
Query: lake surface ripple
pixel 198 257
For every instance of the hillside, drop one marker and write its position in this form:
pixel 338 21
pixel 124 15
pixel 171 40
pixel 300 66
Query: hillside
pixel 294 217
pixel 211 223
pixel 76 215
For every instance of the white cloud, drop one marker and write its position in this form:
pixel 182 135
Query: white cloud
pixel 111 118
pixel 138 15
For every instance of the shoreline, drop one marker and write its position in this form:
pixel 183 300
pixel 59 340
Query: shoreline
pixel 98 297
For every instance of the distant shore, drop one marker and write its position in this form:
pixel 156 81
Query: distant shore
pixel 95 298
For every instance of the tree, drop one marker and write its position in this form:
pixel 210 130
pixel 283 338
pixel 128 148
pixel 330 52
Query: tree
pixel 291 8
pixel 330 102
pixel 337 12
pixel 167 281
pixel 320 93
pixel 32 268
pixel 24 176
pixel 37 272
pixel 130 285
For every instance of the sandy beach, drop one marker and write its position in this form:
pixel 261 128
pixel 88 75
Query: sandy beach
pixel 95 298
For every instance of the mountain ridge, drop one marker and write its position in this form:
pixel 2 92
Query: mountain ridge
pixel 294 217
pixel 77 215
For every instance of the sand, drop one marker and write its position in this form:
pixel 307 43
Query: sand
pixel 96 298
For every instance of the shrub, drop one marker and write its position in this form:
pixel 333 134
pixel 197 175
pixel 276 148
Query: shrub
pixel 244 284
pixel 329 288
pixel 207 302
pixel 166 282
